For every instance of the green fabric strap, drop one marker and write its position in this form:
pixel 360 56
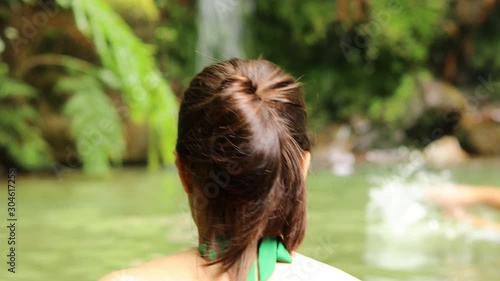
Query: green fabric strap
pixel 270 251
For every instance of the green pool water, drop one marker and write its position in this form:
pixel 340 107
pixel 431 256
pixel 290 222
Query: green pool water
pixel 79 228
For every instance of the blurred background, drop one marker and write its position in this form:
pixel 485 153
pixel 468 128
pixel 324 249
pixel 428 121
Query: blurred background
pixel 402 95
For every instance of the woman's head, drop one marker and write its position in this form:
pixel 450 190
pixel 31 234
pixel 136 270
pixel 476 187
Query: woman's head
pixel 242 150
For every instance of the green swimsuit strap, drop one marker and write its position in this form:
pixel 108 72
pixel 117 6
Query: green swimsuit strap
pixel 270 251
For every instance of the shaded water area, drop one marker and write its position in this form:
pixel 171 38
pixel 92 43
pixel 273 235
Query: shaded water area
pixel 78 228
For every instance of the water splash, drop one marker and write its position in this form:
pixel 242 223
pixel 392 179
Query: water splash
pixel 404 232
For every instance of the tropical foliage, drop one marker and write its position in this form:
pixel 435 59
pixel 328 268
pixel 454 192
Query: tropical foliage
pixel 20 136
pixel 146 93
pixel 127 65
pixel 94 122
pixel 356 59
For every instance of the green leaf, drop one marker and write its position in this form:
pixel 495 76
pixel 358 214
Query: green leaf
pixel 21 137
pixel 94 123
pixel 10 88
pixel 109 79
pixel 148 96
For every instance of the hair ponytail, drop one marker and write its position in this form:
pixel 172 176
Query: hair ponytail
pixel 250 116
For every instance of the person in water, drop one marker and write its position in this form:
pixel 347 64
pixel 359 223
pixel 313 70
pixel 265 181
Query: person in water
pixel 242 155
pixel 454 199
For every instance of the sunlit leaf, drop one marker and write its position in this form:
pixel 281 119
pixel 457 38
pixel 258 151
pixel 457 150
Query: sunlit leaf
pixel 131 61
pixel 95 123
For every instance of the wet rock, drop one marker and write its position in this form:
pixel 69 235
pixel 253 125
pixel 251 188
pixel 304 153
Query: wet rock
pixel 434 110
pixel 444 152
pixel 443 107
pixel 480 131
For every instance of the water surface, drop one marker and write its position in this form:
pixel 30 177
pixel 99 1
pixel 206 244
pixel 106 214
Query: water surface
pixel 79 228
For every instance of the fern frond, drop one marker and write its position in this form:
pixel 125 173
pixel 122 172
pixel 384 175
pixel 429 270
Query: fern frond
pixel 95 123
pixel 148 96
pixel 10 88
pixel 19 133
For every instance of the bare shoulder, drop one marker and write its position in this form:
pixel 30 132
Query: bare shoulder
pixel 171 267
pixel 121 275
pixel 304 268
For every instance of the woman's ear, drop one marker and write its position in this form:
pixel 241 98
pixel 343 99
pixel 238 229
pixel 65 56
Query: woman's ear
pixel 306 161
pixel 181 170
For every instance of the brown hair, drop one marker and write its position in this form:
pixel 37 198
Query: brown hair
pixel 241 141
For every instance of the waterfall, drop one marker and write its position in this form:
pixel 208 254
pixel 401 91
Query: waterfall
pixel 220 30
